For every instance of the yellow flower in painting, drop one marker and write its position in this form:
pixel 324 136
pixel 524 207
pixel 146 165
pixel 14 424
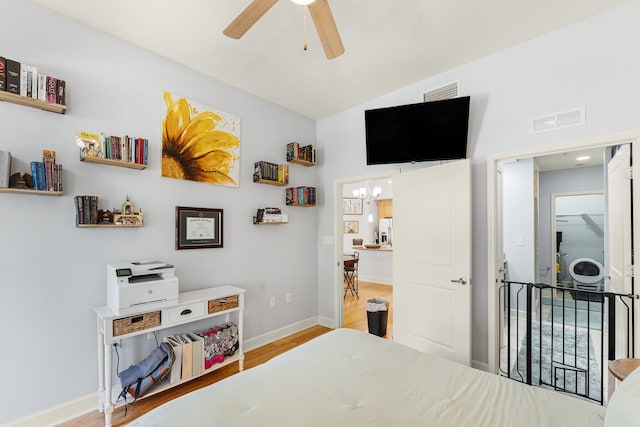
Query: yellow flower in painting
pixel 193 148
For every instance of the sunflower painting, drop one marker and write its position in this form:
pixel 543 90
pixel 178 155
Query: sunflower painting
pixel 199 143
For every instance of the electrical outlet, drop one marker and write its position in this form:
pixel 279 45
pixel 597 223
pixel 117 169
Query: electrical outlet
pixel 272 302
pixel 288 298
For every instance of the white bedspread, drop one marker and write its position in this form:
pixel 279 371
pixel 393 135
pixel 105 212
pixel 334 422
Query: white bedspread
pixel 351 378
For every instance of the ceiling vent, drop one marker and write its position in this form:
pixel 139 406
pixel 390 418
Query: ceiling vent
pixel 445 92
pixel 562 119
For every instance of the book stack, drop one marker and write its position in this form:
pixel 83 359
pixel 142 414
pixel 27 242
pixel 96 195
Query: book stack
pixel 265 171
pixel 301 196
pixel 296 152
pixel 86 209
pixel 47 174
pixel 24 79
pixel 5 168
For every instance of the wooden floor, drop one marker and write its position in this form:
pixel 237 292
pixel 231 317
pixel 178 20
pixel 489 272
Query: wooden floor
pixel 355 317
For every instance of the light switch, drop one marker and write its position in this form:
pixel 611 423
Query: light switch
pixel 520 241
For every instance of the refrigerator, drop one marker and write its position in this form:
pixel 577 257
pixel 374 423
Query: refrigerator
pixel 384 231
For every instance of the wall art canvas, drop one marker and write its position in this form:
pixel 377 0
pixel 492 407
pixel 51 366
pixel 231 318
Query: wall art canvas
pixel 199 143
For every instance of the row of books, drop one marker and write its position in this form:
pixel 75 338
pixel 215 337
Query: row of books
pixel 24 79
pixel 270 172
pixel 195 352
pixel 86 209
pixel 301 196
pixel 126 148
pixel 306 153
pixel 47 174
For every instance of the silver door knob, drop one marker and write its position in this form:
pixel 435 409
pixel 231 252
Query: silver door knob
pixel 460 280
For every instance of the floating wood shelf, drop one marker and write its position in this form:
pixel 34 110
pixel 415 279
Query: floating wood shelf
pixel 267 181
pixel 108 225
pixel 112 162
pixel 32 192
pixel 301 162
pixel 32 102
pixel 304 205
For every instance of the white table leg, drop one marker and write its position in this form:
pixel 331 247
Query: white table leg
pixel 108 408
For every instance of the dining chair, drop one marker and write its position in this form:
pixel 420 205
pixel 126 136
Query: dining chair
pixel 351 275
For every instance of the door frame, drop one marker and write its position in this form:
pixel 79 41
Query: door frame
pixel 494 237
pixel 338 232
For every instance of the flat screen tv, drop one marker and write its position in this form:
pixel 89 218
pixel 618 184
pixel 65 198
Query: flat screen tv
pixel 425 131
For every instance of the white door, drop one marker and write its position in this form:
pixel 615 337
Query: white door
pixel 432 260
pixel 619 225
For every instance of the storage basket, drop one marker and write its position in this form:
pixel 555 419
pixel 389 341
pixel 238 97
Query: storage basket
pixel 222 304
pixel 139 322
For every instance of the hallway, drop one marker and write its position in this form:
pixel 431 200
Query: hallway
pixel 355 312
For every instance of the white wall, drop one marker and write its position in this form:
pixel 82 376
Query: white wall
pixel 52 274
pixel 518 233
pixel 588 64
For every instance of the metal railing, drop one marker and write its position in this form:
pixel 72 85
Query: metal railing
pixel 560 338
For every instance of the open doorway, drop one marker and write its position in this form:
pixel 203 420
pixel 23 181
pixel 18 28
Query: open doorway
pixel 546 207
pixel 365 243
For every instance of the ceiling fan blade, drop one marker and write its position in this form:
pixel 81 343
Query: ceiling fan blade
pixel 248 17
pixel 327 29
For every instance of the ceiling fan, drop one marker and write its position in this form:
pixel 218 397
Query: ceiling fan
pixel 320 13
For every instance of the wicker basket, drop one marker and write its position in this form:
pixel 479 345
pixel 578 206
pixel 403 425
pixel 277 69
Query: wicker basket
pixel 139 322
pixel 222 304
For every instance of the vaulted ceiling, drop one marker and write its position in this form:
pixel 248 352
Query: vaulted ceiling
pixel 388 44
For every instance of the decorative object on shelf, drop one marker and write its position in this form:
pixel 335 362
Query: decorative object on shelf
pixel 351 227
pixel 270 216
pixel 200 143
pixel 270 173
pixel 367 194
pixel 301 196
pixel 198 228
pixel 128 215
pixel 105 216
pixel 89 144
pixel 352 206
pixel 21 180
pixel 305 156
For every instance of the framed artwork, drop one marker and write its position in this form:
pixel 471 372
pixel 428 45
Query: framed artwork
pixel 351 227
pixel 352 206
pixel 199 143
pixel 198 228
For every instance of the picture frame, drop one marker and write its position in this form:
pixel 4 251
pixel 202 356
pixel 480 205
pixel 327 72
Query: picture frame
pixel 351 227
pixel 198 228
pixel 352 206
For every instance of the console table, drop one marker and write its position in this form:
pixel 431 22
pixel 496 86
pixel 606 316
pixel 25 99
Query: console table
pixel 192 306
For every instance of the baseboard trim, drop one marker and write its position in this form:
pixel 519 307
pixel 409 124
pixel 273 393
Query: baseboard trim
pixel 59 414
pixel 480 366
pixel 87 404
pixel 269 337
pixel 372 279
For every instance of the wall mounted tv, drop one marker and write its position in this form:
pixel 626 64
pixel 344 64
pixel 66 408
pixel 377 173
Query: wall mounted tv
pixel 419 132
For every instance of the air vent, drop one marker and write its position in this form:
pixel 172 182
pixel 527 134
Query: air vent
pixel 562 119
pixel 445 92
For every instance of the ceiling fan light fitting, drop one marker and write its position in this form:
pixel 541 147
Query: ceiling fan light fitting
pixel 303 2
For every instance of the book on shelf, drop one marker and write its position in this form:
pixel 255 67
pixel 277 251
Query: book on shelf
pixel 5 168
pixel 3 73
pixel 187 356
pixel 301 196
pixel 13 76
pixel 52 92
pixel 49 159
pixel 197 345
pixel 28 81
pixel 61 91
pixel 176 369
pixel 270 172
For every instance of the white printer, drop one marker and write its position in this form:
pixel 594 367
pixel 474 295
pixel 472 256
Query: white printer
pixel 139 286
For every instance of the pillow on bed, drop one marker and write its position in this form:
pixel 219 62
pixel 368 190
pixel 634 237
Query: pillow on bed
pixel 624 406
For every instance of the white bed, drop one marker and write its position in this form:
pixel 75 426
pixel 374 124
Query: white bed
pixel 351 378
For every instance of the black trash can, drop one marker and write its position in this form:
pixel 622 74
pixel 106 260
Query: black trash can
pixel 377 315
